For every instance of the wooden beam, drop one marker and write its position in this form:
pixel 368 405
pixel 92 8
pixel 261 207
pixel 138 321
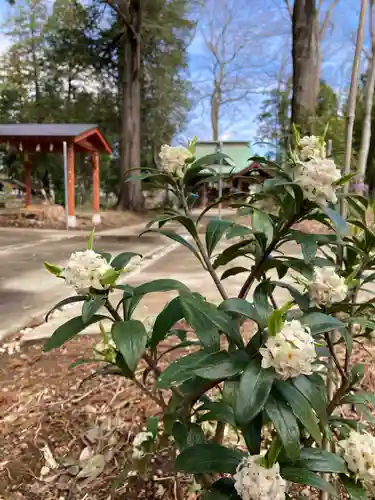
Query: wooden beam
pixel 95 188
pixel 72 222
pixel 27 181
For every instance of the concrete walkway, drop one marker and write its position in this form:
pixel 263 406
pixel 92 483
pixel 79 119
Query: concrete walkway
pixel 27 290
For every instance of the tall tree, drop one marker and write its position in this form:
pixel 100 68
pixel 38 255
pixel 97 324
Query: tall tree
pixel 353 93
pixel 369 98
pixel 304 98
pixel 229 66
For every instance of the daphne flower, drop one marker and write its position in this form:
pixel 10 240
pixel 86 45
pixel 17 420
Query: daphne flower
pixel 173 159
pixel 255 482
pixel 138 444
pixel 310 146
pixel 291 352
pixel 316 178
pixel 327 287
pixel 358 451
pixel 84 271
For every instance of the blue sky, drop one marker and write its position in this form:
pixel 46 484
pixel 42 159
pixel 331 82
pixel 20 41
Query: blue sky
pixel 267 24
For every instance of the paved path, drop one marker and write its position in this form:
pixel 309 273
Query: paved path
pixel 26 289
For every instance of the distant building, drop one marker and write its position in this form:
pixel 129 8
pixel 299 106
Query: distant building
pixel 235 170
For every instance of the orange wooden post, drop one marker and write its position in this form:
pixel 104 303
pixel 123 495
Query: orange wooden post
pixel 72 221
pixel 27 181
pixel 96 219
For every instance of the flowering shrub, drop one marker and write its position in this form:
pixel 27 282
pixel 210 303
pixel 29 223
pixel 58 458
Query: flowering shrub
pixel 269 388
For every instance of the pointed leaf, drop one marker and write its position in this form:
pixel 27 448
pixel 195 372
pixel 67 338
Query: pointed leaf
pixel 216 228
pixel 338 221
pixel 130 338
pixel 64 302
pixel 285 424
pixel 91 306
pixel 219 365
pixel 169 316
pixel 121 260
pixel 208 458
pixel 175 237
pixel 318 460
pixel 181 370
pixel 300 407
pixel 354 489
pixel 53 269
pixel 321 323
pixel 307 477
pixel 69 330
pixel 254 390
pixel 314 394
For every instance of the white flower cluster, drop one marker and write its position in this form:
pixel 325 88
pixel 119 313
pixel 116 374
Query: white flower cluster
pixel 291 351
pixel 311 146
pixel 139 442
pixel 84 271
pixel 358 451
pixel 316 178
pixel 327 287
pixel 255 482
pixel 173 159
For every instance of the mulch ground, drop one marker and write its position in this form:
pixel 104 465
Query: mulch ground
pixel 110 219
pixel 47 409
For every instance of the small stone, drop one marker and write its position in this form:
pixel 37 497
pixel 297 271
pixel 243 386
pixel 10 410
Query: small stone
pixel 44 471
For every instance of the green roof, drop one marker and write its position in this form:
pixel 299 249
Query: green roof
pixel 238 151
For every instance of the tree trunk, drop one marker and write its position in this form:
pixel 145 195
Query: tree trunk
pixel 215 108
pixel 304 98
pixel 366 127
pixel 130 197
pixel 353 95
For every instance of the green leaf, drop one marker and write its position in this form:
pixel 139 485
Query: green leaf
pixel 207 320
pixel 314 394
pixel 307 477
pixel 52 268
pixel 176 237
pixel 236 250
pixel 217 411
pixel 69 330
pixel 91 305
pixel 237 230
pixel 233 272
pixel 216 228
pixel 64 302
pixel 152 425
pixel 300 407
pixel 252 434
pixel 160 285
pixel 90 242
pixel 80 362
pixel 262 306
pixel 255 387
pixel 219 365
pixel 338 221
pixel 262 223
pixel 208 458
pixel 169 316
pixel 285 424
pixel 130 338
pixel 239 306
pixel 321 323
pixel 354 489
pixel 308 243
pixel 121 260
pixel 318 460
pixel 180 370
pixel 110 277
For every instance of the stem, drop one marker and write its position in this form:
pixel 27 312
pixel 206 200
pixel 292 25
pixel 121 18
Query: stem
pixel 144 389
pixel 219 433
pixel 257 268
pixel 205 256
pixel 334 357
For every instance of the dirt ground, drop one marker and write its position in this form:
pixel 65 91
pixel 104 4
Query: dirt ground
pixel 47 409
pixel 110 219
